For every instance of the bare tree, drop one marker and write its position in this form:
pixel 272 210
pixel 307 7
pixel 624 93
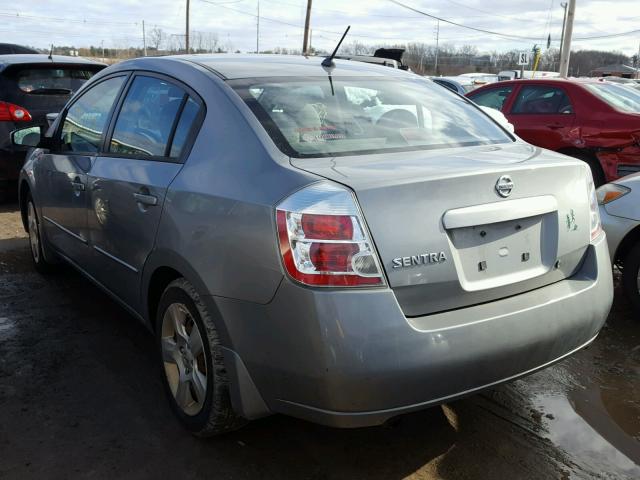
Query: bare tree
pixel 156 38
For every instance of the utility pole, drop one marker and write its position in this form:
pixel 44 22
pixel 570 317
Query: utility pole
pixel 102 45
pixel 437 44
pixel 565 53
pixel 258 29
pixel 144 40
pixel 305 40
pixel 186 33
pixel 564 23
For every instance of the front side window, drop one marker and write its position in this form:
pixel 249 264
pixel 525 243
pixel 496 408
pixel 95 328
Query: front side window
pixel 86 119
pixel 541 100
pixel 322 116
pixel 493 98
pixel 147 117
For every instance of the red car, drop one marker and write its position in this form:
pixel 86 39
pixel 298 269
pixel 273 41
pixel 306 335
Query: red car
pixel 595 121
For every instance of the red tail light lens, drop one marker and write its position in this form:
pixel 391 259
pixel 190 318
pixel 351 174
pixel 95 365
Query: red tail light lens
pixel 13 113
pixel 323 239
pixel 327 227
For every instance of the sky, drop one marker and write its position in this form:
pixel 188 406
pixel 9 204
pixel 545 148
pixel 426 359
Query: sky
pixel 118 23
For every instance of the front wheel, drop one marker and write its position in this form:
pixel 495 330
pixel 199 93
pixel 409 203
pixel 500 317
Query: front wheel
pixel 194 375
pixel 631 277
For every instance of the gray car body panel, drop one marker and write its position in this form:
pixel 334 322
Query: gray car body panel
pixel 622 216
pixel 344 357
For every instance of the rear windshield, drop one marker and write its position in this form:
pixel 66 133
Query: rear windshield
pixel 620 97
pixel 320 116
pixel 51 81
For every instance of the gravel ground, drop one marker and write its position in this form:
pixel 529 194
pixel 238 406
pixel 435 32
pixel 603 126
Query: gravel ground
pixel 80 397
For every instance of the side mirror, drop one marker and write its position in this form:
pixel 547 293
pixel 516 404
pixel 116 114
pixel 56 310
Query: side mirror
pixel 27 137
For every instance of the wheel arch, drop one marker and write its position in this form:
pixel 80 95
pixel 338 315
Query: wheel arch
pixel 630 239
pixel 23 193
pixel 161 268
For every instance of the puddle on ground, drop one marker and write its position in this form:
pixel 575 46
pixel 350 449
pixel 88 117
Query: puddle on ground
pixel 6 328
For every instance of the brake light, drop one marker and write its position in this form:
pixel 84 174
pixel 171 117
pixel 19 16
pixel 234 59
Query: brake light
pixel 13 113
pixel 594 213
pixel 323 238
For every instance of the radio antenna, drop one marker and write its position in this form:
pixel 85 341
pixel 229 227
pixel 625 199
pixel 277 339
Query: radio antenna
pixel 51 52
pixel 328 61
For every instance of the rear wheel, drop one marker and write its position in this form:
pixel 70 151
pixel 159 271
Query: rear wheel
pixel 194 375
pixel 37 247
pixel 631 276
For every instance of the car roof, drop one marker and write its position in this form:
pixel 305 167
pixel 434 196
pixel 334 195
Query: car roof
pixel 31 58
pixel 230 66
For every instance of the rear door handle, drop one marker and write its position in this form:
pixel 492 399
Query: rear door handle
pixel 555 126
pixel 148 200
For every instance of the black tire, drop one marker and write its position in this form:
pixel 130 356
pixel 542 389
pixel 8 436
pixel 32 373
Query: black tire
pixel 630 277
pixel 214 415
pixel 41 254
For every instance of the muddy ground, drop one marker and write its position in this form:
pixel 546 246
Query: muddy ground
pixel 80 397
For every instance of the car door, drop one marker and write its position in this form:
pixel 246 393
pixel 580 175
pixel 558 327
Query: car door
pixel 62 172
pixel 543 114
pixel 144 151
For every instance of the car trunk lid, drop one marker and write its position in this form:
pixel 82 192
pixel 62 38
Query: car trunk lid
pixel 445 235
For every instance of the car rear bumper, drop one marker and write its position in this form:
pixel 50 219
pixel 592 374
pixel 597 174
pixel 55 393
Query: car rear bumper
pixel 350 358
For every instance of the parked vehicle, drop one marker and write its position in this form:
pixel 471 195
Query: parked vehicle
pixel 620 210
pixel 30 87
pixel 12 48
pixel 460 85
pixel 597 122
pixel 481 78
pixel 388 57
pixel 526 74
pixel 293 254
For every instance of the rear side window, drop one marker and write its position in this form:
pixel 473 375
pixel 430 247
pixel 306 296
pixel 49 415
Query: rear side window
pixel 184 128
pixel 51 81
pixel 85 121
pixel 542 99
pixel 146 118
pixel 493 98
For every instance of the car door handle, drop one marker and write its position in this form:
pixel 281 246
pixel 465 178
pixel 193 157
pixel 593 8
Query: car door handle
pixel 555 126
pixel 77 186
pixel 149 200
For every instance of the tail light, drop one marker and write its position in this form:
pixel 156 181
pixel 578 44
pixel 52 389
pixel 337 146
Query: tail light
pixel 13 113
pixel 323 238
pixel 594 213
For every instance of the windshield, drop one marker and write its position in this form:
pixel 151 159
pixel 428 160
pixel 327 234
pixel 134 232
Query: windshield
pixel 316 117
pixel 52 81
pixel 619 97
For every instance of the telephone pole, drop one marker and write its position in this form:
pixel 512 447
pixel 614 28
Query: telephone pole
pixel 305 40
pixel 144 40
pixel 437 44
pixel 565 53
pixel 186 33
pixel 258 29
pixel 564 23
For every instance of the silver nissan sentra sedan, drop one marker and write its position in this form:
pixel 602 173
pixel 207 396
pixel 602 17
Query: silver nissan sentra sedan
pixel 341 243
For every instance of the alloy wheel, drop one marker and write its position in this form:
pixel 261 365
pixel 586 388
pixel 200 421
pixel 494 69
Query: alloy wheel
pixel 184 358
pixel 34 234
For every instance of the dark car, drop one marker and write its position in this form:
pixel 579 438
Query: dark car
pixel 12 48
pixel 30 87
pixel 597 122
